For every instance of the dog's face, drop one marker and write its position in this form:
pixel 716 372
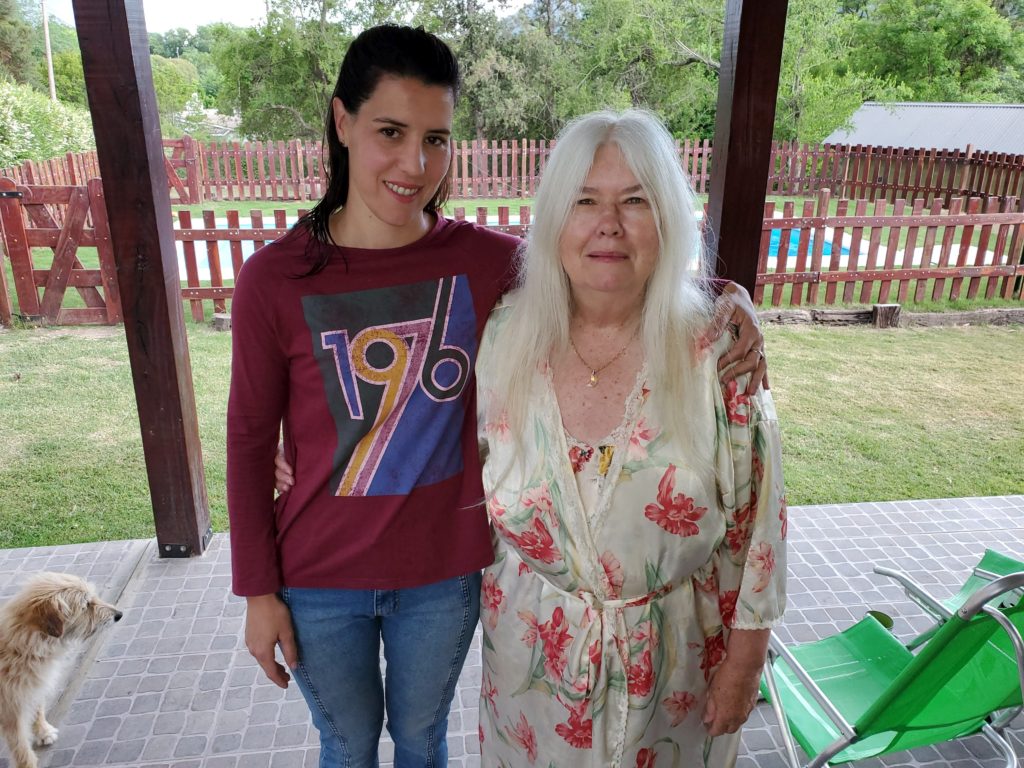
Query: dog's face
pixel 64 606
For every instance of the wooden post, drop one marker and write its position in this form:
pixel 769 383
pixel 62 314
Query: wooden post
pixel 747 86
pixel 119 86
pixel 12 225
pixel 6 312
pixel 191 156
pixel 885 315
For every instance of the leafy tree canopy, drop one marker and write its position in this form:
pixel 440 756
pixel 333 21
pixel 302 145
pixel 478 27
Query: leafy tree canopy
pixel 279 76
pixel 15 43
pixel 526 74
pixel 942 50
pixel 68 77
pixel 174 80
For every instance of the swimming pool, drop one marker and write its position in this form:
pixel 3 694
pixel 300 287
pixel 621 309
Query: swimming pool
pixel 794 243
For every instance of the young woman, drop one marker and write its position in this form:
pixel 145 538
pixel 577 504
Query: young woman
pixel 359 332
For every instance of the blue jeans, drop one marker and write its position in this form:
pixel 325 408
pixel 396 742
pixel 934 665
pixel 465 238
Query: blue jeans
pixel 426 633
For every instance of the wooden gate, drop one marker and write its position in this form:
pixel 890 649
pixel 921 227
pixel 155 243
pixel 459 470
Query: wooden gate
pixel 61 219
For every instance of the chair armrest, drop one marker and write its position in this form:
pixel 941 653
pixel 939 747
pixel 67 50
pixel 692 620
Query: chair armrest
pixel 916 592
pixel 978 603
pixel 845 728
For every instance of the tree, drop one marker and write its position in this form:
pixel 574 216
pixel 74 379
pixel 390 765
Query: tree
pixel 172 44
pixel 63 37
pixel 497 88
pixel 16 60
pixel 657 54
pixel 209 75
pixel 943 50
pixel 549 81
pixel 818 92
pixel 174 81
pixel 471 31
pixel 68 77
pixel 278 76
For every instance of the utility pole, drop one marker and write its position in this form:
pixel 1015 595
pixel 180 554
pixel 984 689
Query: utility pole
pixel 49 53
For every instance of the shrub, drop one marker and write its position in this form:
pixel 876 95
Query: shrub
pixel 34 128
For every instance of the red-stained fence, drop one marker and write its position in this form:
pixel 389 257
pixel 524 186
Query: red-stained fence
pixel 77 168
pixel 858 252
pixel 279 170
pixel 60 219
pixel 892 253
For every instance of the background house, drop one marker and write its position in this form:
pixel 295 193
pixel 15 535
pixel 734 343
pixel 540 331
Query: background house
pixel 984 127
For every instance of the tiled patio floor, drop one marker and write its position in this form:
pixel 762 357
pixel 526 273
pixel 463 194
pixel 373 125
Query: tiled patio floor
pixel 172 685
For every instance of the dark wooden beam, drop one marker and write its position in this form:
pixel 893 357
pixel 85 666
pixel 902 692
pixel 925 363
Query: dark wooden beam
pixel 747 88
pixel 119 85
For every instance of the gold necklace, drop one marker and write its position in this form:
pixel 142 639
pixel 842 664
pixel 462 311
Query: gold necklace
pixel 594 371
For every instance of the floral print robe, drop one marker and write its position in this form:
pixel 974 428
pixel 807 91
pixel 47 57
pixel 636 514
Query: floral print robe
pixel 603 620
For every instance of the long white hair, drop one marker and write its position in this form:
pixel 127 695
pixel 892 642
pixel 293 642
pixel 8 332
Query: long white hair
pixel 676 301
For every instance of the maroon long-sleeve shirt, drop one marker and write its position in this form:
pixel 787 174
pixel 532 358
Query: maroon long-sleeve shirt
pixel 369 365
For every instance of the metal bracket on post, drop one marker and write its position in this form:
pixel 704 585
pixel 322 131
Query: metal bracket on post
pixel 185 550
pixel 13 193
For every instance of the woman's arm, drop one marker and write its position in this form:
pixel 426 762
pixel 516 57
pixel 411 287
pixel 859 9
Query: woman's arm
pixel 257 397
pixel 752 556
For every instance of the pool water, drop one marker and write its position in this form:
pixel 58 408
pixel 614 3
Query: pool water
pixel 794 243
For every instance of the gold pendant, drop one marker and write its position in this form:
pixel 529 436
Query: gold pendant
pixel 593 379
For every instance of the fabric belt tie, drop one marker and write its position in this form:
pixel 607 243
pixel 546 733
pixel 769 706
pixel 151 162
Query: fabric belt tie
pixel 608 626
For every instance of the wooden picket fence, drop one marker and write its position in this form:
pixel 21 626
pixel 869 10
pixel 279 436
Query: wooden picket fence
pixel 859 253
pixel 256 170
pixel 77 168
pixel 929 252
pixel 292 170
pixel 894 173
pixel 69 170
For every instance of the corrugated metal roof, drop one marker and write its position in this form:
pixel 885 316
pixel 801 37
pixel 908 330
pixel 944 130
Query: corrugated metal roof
pixel 986 127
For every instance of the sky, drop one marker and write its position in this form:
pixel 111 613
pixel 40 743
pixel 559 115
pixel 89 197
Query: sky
pixel 162 15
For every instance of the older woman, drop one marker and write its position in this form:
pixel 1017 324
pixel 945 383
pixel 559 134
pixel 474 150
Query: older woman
pixel 637 503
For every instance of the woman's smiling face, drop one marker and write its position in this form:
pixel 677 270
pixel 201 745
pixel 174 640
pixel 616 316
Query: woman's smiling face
pixel 610 243
pixel 399 150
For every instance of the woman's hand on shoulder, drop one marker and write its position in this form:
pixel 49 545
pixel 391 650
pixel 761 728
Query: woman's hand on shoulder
pixel 735 311
pixel 284 475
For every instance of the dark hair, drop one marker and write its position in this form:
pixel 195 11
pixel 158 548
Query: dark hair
pixel 377 52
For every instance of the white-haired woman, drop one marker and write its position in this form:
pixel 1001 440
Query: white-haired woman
pixel 637 503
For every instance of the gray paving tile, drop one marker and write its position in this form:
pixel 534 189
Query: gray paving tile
pixel 172 685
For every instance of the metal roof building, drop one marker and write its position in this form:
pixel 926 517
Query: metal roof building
pixel 985 127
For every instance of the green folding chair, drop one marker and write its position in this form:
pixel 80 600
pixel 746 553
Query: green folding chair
pixel 862 693
pixel 991 566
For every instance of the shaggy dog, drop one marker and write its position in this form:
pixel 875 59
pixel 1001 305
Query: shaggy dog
pixel 37 626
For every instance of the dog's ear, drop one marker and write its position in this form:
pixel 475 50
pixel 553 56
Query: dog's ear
pixel 48 618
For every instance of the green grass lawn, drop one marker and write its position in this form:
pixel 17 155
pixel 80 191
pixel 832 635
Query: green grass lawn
pixel 866 415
